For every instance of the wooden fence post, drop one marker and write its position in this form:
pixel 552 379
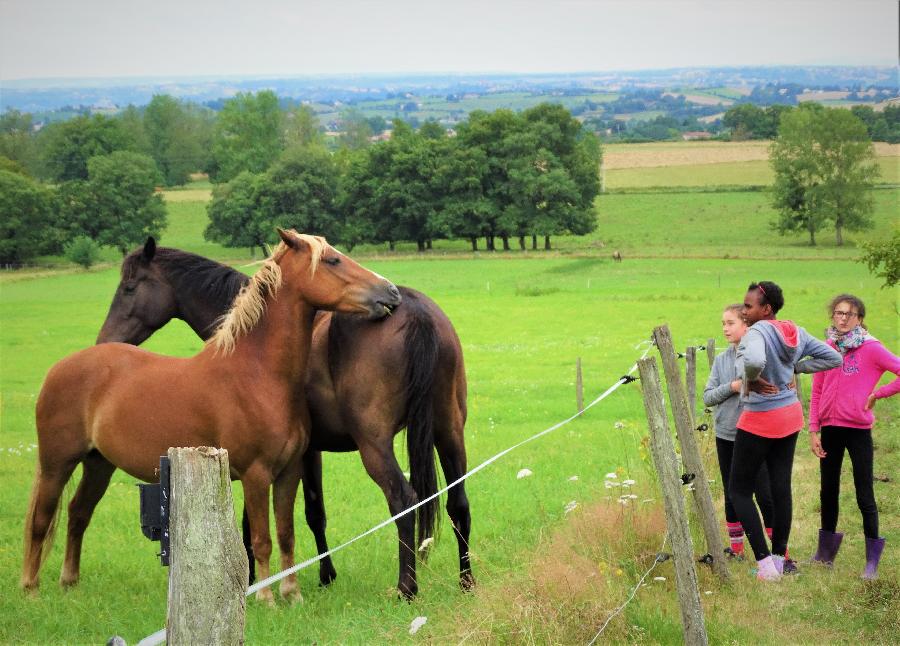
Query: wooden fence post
pixel 710 351
pixel 663 451
pixel 690 376
pixel 690 452
pixel 208 569
pixel 579 386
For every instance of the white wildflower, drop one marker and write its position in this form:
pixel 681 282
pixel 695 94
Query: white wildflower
pixel 570 506
pixel 524 473
pixel 573 478
pixel 628 482
pixel 612 476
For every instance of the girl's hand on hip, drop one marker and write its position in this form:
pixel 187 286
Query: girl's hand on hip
pixel 870 402
pixel 815 445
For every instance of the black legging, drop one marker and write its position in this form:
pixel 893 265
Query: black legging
pixel 762 489
pixel 750 453
pixel 858 443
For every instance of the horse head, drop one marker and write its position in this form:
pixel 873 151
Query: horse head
pixel 332 281
pixel 144 300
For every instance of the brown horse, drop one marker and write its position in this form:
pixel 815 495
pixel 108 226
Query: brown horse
pixel 117 406
pixel 367 380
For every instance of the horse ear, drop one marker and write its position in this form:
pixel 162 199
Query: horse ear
pixel 149 249
pixel 289 238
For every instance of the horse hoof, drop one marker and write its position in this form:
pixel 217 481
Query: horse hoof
pixel 266 597
pixel 68 582
pixel 327 575
pixel 291 593
pixel 467 582
pixel 406 593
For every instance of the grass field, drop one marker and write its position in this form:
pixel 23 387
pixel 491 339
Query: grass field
pixel 545 576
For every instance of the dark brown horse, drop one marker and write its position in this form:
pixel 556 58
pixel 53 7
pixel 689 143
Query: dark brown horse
pixel 117 406
pixel 367 380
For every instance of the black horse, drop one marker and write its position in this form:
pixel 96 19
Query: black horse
pixel 366 382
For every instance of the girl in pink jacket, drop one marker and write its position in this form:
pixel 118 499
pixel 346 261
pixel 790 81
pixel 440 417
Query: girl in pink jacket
pixel 840 418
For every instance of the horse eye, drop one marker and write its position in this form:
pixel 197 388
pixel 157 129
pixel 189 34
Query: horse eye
pixel 129 289
pixel 332 261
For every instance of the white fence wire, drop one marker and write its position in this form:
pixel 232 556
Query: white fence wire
pixel 160 636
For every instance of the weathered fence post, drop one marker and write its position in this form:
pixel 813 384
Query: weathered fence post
pixel 663 451
pixel 690 452
pixel 710 351
pixel 579 386
pixel 690 377
pixel 208 569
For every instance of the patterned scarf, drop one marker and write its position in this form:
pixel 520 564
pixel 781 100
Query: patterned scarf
pixel 849 341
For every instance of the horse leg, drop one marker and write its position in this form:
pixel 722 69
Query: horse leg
pixel 383 468
pixel 40 521
pixel 452 454
pixel 248 545
pixel 284 493
pixel 315 511
pixel 96 474
pixel 256 502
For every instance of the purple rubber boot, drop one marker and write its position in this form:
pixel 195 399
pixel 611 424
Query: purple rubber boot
pixel 829 544
pixel 874 547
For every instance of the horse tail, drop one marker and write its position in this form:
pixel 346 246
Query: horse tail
pixel 46 546
pixel 421 345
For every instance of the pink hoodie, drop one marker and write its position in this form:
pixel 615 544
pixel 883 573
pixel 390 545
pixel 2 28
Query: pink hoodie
pixel 839 395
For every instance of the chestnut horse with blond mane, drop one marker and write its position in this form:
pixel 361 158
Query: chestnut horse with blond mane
pixel 117 406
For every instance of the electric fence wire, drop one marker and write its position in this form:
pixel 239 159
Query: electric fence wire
pixel 160 636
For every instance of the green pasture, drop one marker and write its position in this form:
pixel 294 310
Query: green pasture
pixel 523 323
pixel 524 318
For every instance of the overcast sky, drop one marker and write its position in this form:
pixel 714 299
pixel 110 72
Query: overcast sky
pixel 115 38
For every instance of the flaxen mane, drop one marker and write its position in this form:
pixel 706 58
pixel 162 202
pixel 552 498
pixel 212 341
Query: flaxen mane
pixel 250 303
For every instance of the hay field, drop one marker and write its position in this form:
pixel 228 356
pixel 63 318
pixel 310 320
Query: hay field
pixel 689 153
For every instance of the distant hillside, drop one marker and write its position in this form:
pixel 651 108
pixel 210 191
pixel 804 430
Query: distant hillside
pixel 43 95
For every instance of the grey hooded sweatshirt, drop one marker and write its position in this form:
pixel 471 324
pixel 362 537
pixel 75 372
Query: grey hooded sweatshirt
pixel 775 350
pixel 718 393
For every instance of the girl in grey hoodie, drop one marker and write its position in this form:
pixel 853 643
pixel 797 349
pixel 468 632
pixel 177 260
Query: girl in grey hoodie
pixel 768 356
pixel 723 391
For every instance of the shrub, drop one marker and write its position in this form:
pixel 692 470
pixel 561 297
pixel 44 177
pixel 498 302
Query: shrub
pixel 83 251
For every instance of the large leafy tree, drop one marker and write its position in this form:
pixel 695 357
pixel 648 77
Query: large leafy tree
pixel 237 217
pixel 247 136
pixel 394 187
pixel 301 128
pixel 17 140
pixel 66 147
pixel 125 204
pixel 299 192
pixel 179 137
pixel 824 165
pixel 26 219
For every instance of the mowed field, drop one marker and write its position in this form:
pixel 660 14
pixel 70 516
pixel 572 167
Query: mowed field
pixel 545 575
pixel 708 163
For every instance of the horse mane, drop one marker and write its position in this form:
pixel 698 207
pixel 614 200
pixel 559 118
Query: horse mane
pixel 250 303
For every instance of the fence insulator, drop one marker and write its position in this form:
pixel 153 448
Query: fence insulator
pixel 687 478
pixel 706 559
pixel 703 427
pixel 627 379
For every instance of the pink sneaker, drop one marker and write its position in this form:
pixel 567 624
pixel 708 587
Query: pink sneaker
pixel 766 569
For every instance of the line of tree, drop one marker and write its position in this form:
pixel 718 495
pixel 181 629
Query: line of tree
pixel 505 176
pixel 748 121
